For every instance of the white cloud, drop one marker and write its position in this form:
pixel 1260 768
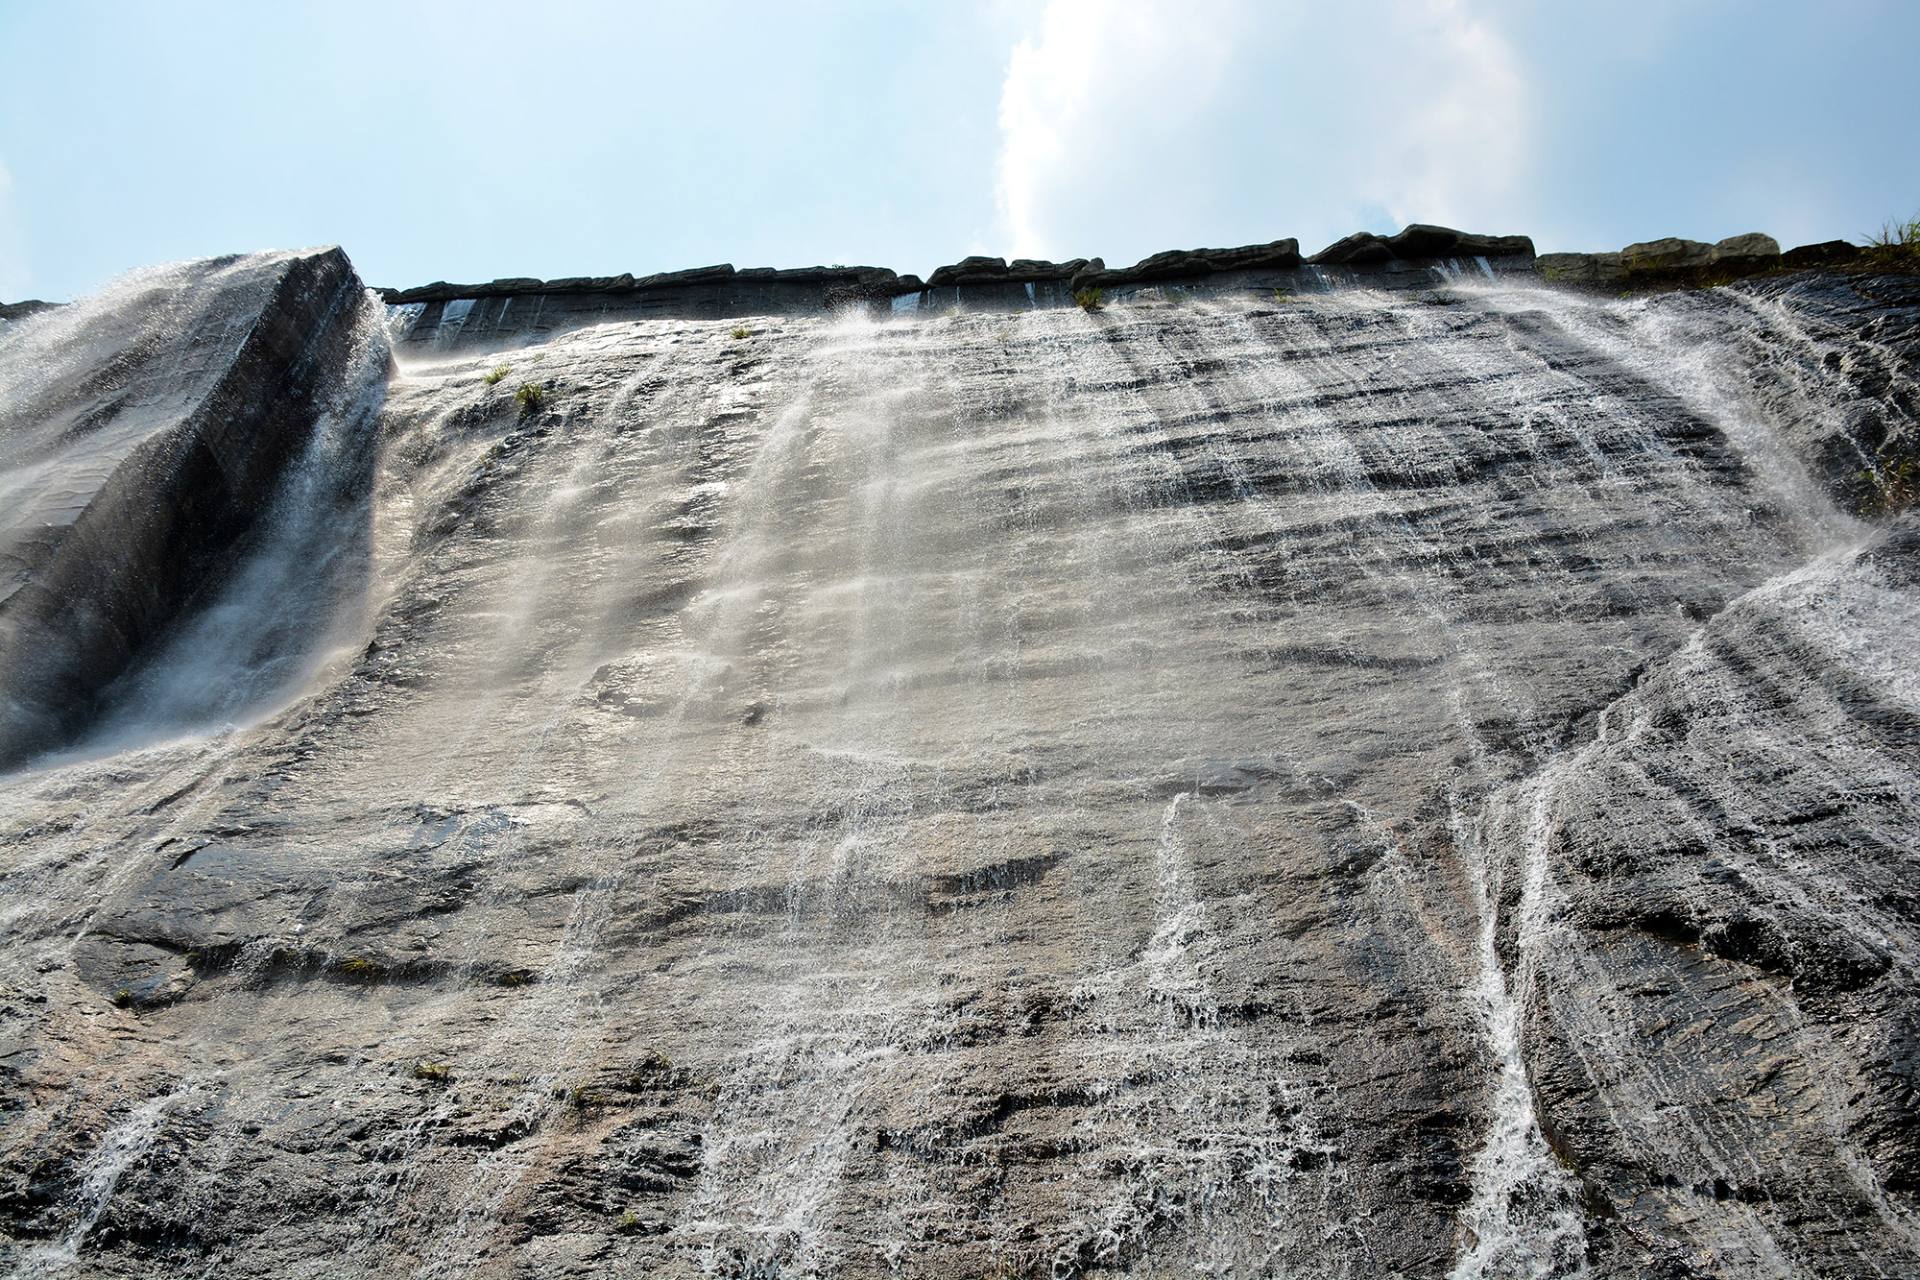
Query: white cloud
pixel 1067 89
pixel 1455 147
pixel 1153 122
pixel 15 277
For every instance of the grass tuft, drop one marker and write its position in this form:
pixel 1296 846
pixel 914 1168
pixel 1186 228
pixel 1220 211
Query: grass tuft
pixel 579 1097
pixel 1895 487
pixel 741 331
pixel 1089 299
pixel 530 397
pixel 1896 244
pixel 496 374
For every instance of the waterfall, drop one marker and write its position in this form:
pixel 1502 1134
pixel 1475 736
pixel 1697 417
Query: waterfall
pixel 122 1147
pixel 1522 1220
pixel 293 600
pixel 1214 785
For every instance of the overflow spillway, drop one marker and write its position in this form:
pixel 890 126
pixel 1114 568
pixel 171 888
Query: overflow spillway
pixel 1364 781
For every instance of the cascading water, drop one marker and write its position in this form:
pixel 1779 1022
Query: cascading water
pixel 294 599
pixel 1210 786
pixel 1522 1218
pixel 121 1148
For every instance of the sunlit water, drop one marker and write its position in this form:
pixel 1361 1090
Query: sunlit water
pixel 1049 792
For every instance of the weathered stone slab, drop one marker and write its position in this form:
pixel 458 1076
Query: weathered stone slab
pixel 1581 268
pixel 141 433
pixel 1751 251
pixel 1666 255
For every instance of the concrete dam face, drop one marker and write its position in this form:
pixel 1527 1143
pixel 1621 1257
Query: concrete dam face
pixel 1381 767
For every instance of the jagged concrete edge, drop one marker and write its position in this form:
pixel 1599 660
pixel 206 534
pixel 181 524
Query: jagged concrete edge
pixel 1648 263
pixel 1418 244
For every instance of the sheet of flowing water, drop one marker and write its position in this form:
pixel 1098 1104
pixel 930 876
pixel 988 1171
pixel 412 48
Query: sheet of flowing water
pixel 293 598
pixel 51 465
pixel 121 1148
pixel 792 713
pixel 258 638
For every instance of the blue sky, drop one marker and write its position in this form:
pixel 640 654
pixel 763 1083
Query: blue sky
pixel 471 140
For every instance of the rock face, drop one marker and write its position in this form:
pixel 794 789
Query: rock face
pixel 1194 264
pixel 522 310
pixel 1384 782
pixel 1670 254
pixel 1671 262
pixel 1599 269
pixel 1751 249
pixel 804 279
pixel 1419 243
pixel 21 310
pixel 1825 254
pixel 141 436
pixel 998 271
pixel 1417 258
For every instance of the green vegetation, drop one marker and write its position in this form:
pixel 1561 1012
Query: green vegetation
pixel 530 397
pixel 741 331
pixel 1896 244
pixel 1281 295
pixel 579 1097
pixel 495 374
pixel 433 1072
pixel 647 1073
pixel 123 999
pixel 360 967
pixel 1896 487
pixel 628 1224
pixel 1089 299
pixel 513 978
